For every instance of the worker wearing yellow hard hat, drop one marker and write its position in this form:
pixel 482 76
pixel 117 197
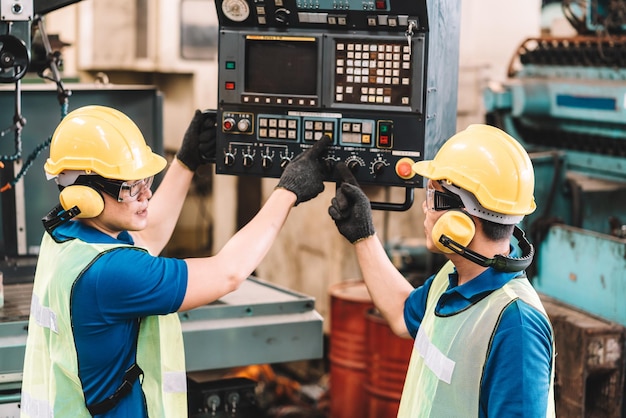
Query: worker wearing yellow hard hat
pixel 104 338
pixel 484 345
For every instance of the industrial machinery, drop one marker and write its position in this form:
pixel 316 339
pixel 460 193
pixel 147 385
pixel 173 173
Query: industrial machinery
pixel 565 100
pixel 377 76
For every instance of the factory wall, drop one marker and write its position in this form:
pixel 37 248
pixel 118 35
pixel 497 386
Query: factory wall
pixel 310 255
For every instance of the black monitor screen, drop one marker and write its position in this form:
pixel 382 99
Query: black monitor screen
pixel 283 66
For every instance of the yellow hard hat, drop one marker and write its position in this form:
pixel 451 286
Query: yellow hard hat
pixel 489 164
pixel 101 140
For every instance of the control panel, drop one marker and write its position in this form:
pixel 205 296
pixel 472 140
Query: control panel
pixel 371 75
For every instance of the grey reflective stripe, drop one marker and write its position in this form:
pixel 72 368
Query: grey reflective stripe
pixel 174 382
pixel 43 315
pixel 35 408
pixel 434 359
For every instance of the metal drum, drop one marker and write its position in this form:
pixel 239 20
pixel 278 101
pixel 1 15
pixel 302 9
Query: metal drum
pixel 387 362
pixel 349 303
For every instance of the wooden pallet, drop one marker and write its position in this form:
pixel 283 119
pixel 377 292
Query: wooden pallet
pixel 590 362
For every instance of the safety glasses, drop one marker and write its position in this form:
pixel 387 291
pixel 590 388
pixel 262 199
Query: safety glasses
pixel 436 200
pixel 123 191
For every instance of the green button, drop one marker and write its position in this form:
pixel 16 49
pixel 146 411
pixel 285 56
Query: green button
pixel 230 65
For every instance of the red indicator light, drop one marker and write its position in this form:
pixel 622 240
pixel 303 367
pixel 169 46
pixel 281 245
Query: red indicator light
pixel 229 85
pixel 381 5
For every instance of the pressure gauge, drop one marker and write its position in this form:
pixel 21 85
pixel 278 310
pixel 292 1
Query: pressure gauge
pixel 236 10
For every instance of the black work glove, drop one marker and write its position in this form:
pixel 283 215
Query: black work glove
pixel 198 145
pixel 304 175
pixel 350 208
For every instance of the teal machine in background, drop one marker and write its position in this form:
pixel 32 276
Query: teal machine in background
pixel 565 99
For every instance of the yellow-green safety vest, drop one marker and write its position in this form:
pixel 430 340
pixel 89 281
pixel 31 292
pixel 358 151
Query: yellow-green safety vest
pixel 444 375
pixel 50 385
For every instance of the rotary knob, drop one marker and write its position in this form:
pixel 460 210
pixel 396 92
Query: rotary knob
pixel 378 168
pixel 354 162
pixel 282 16
pixel 353 165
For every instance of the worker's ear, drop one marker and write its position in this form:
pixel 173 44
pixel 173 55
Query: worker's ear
pixel 455 224
pixel 88 200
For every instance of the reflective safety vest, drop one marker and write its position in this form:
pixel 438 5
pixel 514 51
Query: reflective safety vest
pixel 50 385
pixel 444 373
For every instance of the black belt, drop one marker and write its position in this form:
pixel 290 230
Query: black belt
pixel 124 389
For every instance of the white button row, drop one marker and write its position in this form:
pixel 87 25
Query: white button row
pixel 279 100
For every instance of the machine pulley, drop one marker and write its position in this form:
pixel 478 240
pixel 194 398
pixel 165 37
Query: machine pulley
pixel 14 59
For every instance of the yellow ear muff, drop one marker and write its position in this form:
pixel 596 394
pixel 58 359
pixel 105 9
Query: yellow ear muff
pixel 87 199
pixel 456 225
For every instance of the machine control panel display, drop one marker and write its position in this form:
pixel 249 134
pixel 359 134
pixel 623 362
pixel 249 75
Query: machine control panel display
pixel 293 71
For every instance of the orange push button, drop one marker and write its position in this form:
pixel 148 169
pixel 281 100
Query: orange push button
pixel 404 168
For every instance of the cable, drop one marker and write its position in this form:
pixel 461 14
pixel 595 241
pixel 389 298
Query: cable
pixel 27 163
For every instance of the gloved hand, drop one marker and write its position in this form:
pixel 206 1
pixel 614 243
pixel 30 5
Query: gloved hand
pixel 350 208
pixel 198 145
pixel 304 175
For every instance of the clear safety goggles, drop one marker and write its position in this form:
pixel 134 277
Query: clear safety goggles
pixel 437 200
pixel 123 191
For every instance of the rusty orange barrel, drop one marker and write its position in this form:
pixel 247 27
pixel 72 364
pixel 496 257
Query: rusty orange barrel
pixel 387 362
pixel 349 303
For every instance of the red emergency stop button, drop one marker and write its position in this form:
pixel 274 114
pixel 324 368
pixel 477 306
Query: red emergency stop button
pixel 404 168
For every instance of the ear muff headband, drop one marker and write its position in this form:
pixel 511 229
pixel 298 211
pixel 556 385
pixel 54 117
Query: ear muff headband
pixel 498 262
pixel 456 225
pixel 88 200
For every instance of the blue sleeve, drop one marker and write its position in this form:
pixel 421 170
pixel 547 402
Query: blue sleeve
pixel 415 306
pixel 516 379
pixel 131 283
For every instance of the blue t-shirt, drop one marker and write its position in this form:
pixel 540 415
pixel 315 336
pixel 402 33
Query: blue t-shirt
pixel 516 377
pixel 118 289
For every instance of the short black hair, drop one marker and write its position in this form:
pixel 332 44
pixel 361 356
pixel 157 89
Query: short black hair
pixel 495 231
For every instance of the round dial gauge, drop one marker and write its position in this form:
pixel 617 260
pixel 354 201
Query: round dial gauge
pixel 236 10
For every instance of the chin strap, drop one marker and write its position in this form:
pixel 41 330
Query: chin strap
pixel 499 262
